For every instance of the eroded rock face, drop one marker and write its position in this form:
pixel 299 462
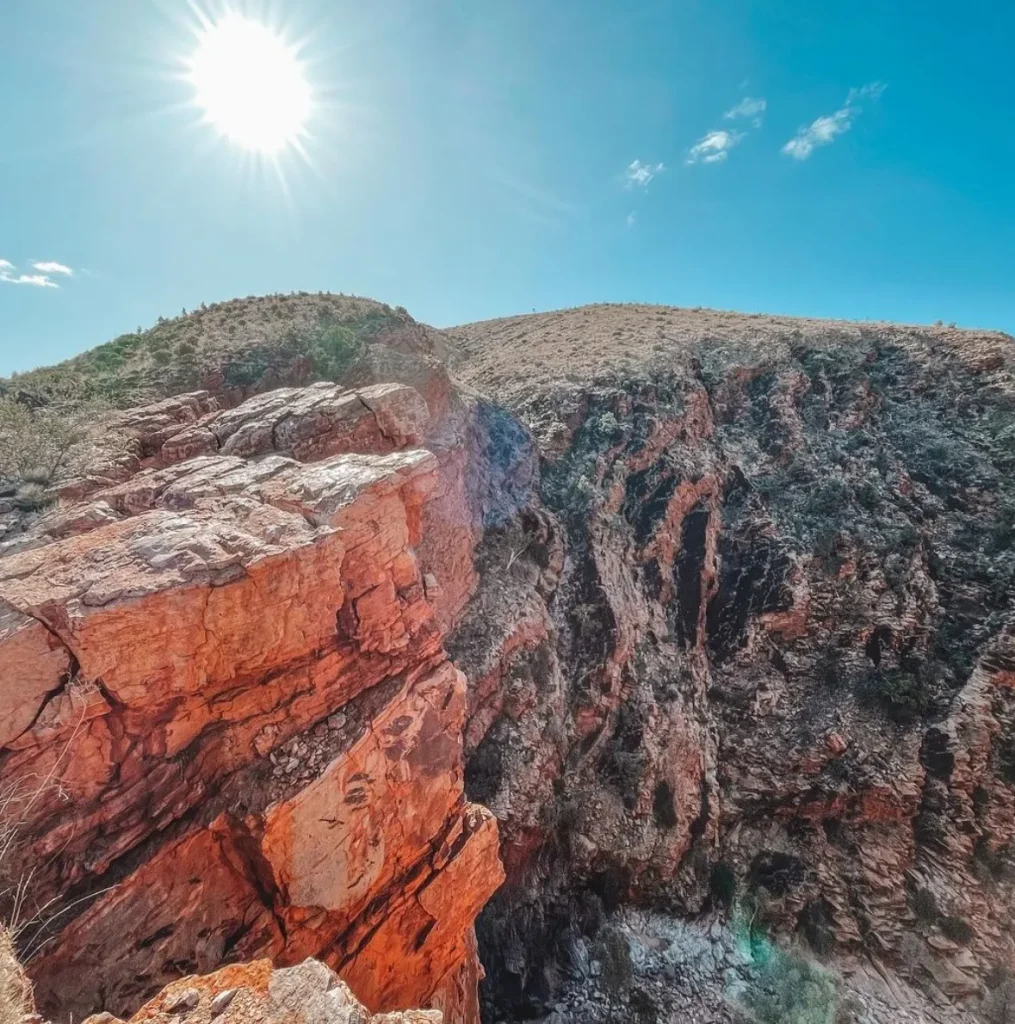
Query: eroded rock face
pixel 233 688
pixel 761 611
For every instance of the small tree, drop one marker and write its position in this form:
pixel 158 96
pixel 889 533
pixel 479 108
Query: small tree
pixel 35 444
pixel 336 350
pixel 44 445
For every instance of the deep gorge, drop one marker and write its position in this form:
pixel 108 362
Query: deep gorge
pixel 700 641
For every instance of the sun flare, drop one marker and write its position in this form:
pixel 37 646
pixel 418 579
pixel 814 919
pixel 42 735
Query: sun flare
pixel 250 84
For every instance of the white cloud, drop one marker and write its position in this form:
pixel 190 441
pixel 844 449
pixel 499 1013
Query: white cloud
pixel 819 132
pixel 714 147
pixel 49 267
pixel 43 279
pixel 36 280
pixel 826 129
pixel 632 219
pixel 749 106
pixel 639 174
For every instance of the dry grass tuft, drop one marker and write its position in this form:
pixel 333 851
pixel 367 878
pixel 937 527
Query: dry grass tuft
pixel 15 988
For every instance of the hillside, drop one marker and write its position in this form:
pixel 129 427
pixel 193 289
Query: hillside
pixel 782 638
pixel 247 344
pixel 532 360
pixel 238 346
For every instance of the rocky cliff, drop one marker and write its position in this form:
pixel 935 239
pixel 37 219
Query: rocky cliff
pixel 230 723
pixel 257 993
pixel 710 615
pixel 760 616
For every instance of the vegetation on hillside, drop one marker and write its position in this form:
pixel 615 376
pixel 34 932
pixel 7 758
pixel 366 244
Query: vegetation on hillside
pixel 34 443
pixel 42 446
pixel 229 345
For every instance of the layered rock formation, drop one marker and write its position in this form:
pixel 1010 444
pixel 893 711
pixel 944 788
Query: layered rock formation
pixel 775 668
pixel 228 712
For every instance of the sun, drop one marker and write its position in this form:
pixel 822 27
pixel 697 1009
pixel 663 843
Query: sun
pixel 250 84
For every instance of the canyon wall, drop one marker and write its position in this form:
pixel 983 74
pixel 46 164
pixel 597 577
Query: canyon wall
pixel 751 644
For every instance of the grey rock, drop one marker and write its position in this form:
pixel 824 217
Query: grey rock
pixel 181 1002
pixel 220 1003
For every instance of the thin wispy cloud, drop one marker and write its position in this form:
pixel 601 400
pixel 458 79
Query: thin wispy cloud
pixel 36 280
pixel 631 219
pixel 51 267
pixel 750 107
pixel 638 175
pixel 870 91
pixel 714 147
pixel 826 129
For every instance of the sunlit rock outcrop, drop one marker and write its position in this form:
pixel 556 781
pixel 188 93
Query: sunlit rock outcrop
pixel 233 694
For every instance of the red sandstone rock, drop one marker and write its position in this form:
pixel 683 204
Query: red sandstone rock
pixel 235 687
pixel 33 665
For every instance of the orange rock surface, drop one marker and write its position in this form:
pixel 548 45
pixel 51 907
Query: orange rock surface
pixel 233 686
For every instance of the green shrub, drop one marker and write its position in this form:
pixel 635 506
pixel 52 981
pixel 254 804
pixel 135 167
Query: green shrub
pixel 723 884
pixel 242 374
pixel 924 905
pixel 336 350
pixel 957 930
pixel 108 357
pixel 830 498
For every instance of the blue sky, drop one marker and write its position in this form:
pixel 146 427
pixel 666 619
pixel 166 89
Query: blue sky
pixel 477 159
